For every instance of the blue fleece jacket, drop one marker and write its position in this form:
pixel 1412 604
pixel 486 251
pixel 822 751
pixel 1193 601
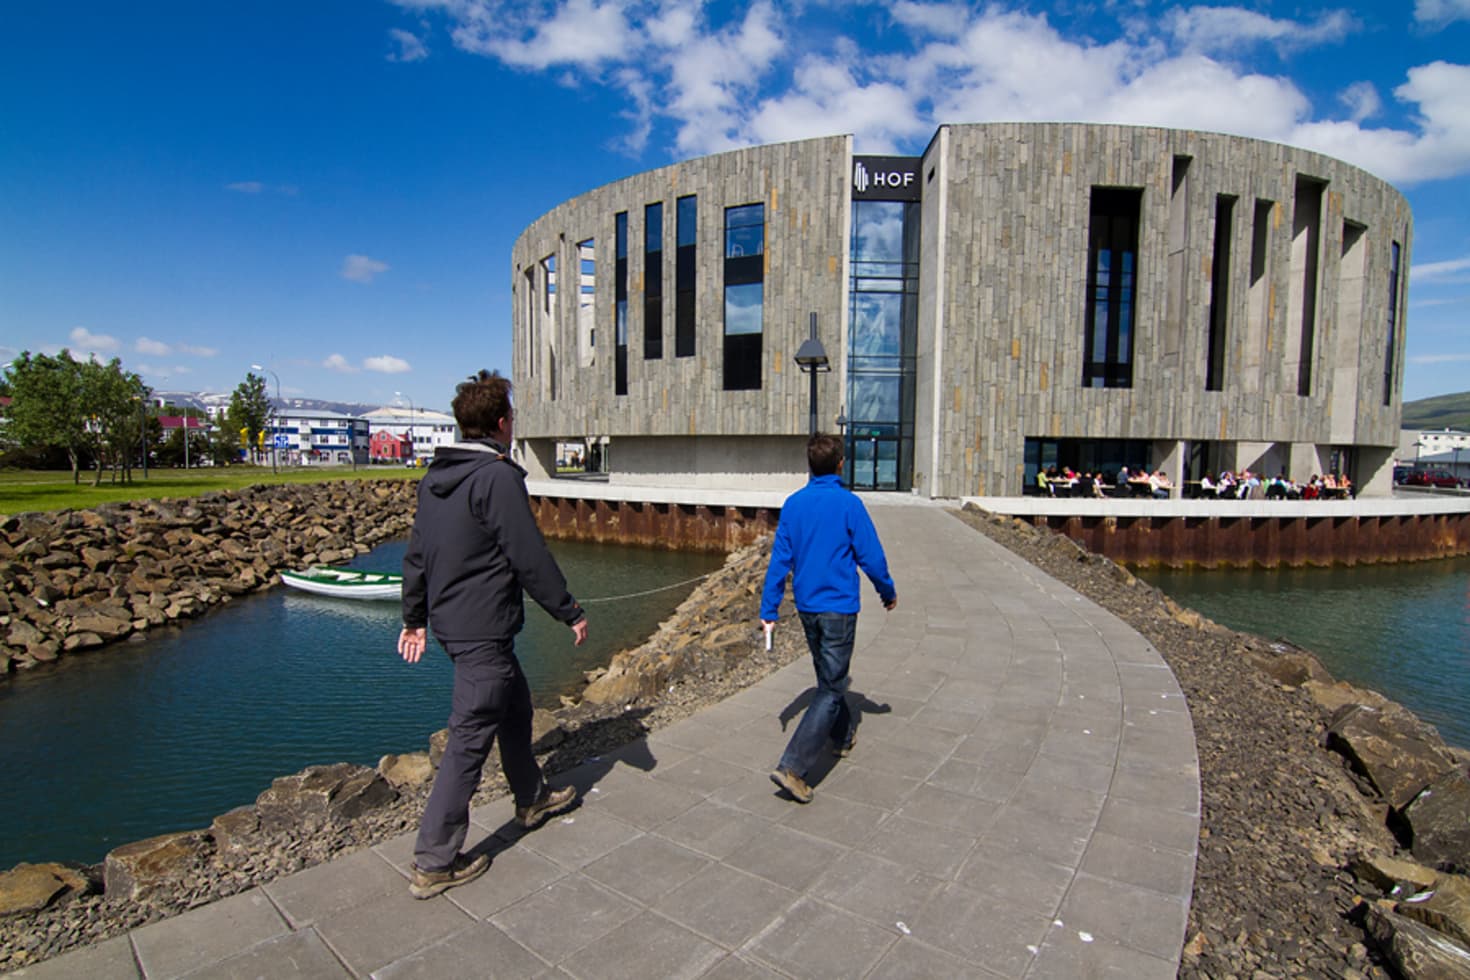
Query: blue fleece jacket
pixel 824 536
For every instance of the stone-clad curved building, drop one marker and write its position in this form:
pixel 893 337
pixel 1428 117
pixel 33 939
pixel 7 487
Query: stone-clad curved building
pixel 1022 294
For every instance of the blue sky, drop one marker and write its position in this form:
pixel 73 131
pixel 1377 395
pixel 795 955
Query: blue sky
pixel 332 187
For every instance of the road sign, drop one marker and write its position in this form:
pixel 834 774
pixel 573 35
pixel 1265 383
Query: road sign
pixel 283 442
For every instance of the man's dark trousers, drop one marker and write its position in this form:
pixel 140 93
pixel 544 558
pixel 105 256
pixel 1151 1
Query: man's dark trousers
pixel 491 697
pixel 830 637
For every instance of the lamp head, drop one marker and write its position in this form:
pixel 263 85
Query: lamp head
pixel 812 356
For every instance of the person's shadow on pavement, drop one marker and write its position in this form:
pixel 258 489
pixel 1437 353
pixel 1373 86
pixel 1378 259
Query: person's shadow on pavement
pixel 857 703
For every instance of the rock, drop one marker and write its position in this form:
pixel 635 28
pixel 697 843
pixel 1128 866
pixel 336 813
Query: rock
pixel 1438 822
pixel 1417 951
pixel 1385 873
pixel 1445 906
pixel 437 743
pixel 408 771
pixel 232 831
pixel 1398 754
pixel 32 887
pixel 108 627
pixel 1332 697
pixel 1290 667
pixel 81 641
pixel 136 870
pixel 546 731
pixel 322 794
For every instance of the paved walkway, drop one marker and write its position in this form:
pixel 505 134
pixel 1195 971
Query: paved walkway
pixel 1023 801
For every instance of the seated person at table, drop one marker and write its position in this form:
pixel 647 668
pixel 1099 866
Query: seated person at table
pixel 1159 485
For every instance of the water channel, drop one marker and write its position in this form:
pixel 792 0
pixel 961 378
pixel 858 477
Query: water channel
pixel 1401 629
pixel 165 733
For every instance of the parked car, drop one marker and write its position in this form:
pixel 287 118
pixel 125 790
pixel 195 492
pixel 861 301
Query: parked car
pixel 1432 478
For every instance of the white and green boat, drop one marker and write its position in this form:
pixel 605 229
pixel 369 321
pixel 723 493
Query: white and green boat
pixel 346 583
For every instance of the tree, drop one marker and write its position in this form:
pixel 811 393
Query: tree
pixel 89 410
pixel 249 408
pixel 46 405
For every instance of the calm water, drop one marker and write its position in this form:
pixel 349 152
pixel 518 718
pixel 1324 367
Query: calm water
pixel 1402 630
pixel 164 734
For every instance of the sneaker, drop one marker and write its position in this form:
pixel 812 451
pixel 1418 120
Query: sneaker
pixel 550 801
pixel 793 784
pixel 845 750
pixel 427 884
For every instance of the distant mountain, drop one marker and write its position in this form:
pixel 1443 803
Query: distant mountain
pixel 210 399
pixel 1439 412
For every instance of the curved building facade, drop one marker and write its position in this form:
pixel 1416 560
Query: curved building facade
pixel 1021 295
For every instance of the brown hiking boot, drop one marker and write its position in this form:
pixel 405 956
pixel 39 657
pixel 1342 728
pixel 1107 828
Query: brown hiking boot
pixel 549 802
pixel 427 884
pixel 793 784
pixel 845 750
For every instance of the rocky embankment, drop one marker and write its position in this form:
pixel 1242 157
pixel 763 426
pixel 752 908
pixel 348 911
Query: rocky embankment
pixel 1335 827
pixel 77 580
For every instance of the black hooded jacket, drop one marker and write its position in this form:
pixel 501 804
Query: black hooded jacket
pixel 475 546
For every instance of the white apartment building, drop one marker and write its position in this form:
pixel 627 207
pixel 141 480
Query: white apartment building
pixel 425 429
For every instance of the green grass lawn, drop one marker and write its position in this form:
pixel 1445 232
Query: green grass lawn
pixel 24 490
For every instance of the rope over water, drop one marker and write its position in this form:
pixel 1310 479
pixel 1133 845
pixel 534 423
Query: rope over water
pixel 635 595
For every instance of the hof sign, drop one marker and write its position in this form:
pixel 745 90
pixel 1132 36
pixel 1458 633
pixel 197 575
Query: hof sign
pixel 886 178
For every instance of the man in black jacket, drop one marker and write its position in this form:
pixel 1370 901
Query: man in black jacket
pixel 474 548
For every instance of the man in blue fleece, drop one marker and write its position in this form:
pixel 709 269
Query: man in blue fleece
pixel 824 536
pixel 474 550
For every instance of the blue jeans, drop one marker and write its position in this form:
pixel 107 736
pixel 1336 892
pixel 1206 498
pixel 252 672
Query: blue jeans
pixel 830 636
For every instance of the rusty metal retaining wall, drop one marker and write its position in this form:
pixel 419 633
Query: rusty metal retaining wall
pixel 1178 541
pixel 670 526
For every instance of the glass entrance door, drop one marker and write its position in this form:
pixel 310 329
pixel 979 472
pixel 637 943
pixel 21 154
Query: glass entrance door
pixel 873 462
pixel 882 345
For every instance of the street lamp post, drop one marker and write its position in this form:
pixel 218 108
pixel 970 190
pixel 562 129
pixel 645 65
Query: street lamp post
pixel 411 413
pixel 811 357
pixel 274 409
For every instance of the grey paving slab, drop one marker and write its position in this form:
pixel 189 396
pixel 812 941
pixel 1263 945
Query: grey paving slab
pixel 208 934
pixel 301 954
pixel 112 959
pixel 1023 801
pixel 477 950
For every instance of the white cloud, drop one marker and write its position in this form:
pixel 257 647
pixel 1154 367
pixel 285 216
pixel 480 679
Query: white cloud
pixel 386 364
pixel 198 351
pixel 1439 148
pixel 576 32
pixel 1361 100
pixel 93 343
pixel 408 48
pixel 153 348
pixel 338 363
pixel 942 19
pixel 756 79
pixel 1227 29
pixel 1438 13
pixel 1438 358
pixel 1452 270
pixel 362 268
pixel 245 187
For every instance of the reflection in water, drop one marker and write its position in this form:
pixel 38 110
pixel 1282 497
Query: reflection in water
pixel 1403 629
pixel 165 733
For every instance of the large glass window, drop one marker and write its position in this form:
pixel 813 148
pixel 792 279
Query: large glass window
pixel 587 300
pixel 1219 294
pixel 687 218
pixel 1112 278
pixel 620 303
pixel 1393 322
pixel 745 241
pixel 882 344
pixel 653 281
